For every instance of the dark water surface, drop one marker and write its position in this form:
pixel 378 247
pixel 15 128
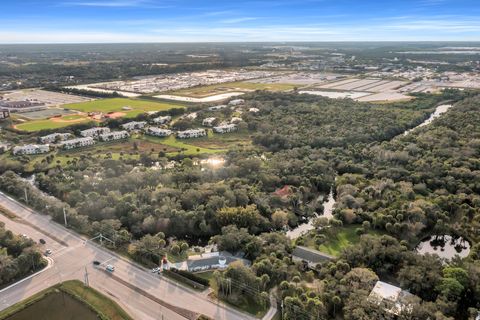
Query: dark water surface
pixel 56 306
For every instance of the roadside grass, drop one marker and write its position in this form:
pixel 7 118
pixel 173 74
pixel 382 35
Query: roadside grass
pixel 207 275
pixel 106 308
pixel 337 239
pixel 245 303
pixel 115 105
pixel 241 86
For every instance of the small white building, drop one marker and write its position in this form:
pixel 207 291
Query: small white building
pixel 162 120
pixel 193 133
pixel 94 132
pixel 158 132
pixel 133 125
pixel 51 138
pixel 77 143
pixel 236 102
pixel 191 116
pixel 225 128
pixel 236 120
pixel 31 149
pixel 208 122
pixel 216 108
pixel 254 110
pixel 114 135
pixel 393 299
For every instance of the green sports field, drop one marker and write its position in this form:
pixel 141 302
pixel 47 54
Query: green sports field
pixel 38 125
pixel 116 104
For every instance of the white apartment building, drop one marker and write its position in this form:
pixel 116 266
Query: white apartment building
pixel 236 120
pixel 193 133
pixel 208 122
pixel 236 102
pixel 51 138
pixel 254 110
pixel 114 135
pixel 94 132
pixel 158 132
pixel 132 125
pixel 162 120
pixel 216 108
pixel 31 149
pixel 225 128
pixel 77 143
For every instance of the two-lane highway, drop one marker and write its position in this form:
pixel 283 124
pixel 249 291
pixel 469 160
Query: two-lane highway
pixel 72 255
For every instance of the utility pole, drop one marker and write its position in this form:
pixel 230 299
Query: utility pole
pixel 86 277
pixel 65 217
pixel 26 195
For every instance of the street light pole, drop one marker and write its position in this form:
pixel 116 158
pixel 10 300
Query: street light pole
pixel 65 216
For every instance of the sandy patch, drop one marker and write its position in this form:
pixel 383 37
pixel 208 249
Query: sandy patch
pixel 115 115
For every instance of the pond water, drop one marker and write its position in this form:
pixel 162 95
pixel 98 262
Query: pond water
pixel 56 306
pixel 437 113
pixel 445 246
pixel 303 228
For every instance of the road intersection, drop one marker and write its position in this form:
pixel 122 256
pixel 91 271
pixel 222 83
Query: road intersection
pixel 73 256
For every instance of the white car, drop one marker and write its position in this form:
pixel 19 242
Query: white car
pixel 156 270
pixel 110 268
pixel 48 252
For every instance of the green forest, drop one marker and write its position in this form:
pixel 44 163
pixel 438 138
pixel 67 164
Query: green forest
pixel 394 189
pixel 19 257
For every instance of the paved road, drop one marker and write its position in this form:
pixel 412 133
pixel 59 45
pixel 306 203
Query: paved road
pixel 72 255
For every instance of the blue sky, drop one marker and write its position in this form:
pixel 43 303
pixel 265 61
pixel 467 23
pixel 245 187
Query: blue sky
pixel 67 21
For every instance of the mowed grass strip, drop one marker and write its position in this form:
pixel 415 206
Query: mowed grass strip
pixel 116 104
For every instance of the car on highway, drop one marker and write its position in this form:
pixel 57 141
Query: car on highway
pixel 48 252
pixel 110 268
pixel 96 263
pixel 42 241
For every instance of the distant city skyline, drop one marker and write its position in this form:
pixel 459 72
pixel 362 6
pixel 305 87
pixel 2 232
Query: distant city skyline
pixel 113 21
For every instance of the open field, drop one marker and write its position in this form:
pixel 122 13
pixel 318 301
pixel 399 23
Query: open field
pixel 137 106
pixel 205 91
pixel 185 145
pixel 343 237
pixel 217 97
pixel 113 107
pixel 52 123
pixel 93 299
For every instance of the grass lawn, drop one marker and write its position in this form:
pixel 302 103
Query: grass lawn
pixel 340 239
pixel 115 105
pixel 207 275
pixel 94 299
pixel 205 91
pixel 183 144
pixel 38 125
